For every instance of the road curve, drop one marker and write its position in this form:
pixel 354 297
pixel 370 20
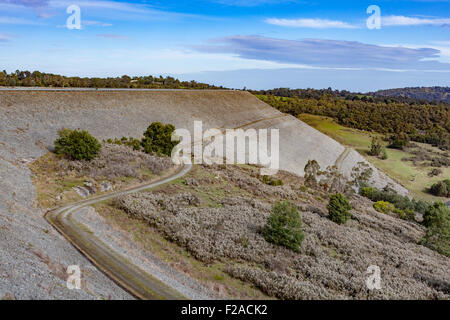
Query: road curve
pixel 127 275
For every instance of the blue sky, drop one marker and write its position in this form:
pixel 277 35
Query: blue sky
pixel 257 43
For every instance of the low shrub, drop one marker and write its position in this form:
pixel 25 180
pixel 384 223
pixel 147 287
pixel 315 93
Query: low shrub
pixel 383 206
pixel 410 214
pixel 271 181
pixel 131 142
pixel 400 213
pixel 441 188
pixel 399 201
pixel 338 208
pixel 437 220
pixel 434 172
pixel 77 145
pixel 284 226
pixel 116 162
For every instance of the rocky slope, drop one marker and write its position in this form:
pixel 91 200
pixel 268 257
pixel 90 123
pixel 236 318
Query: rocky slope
pixel 33 257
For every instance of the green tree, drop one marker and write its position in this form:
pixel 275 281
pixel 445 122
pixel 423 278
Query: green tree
pixel 78 145
pixel 338 208
pixel 376 147
pixel 399 141
pixel 384 155
pixel 441 188
pixel 284 226
pixel 437 220
pixel 158 139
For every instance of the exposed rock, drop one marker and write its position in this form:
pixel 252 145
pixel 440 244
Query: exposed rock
pixel 84 191
pixel 106 186
pixel 190 182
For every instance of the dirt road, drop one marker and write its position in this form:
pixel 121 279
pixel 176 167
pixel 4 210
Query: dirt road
pixel 130 277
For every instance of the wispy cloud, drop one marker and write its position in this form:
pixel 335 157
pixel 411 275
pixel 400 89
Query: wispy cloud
pixel 326 53
pixel 27 3
pixel 96 23
pixel 41 7
pixel 129 10
pixel 99 4
pixel 310 23
pixel 17 21
pixel 413 21
pixel 113 36
pixel 253 3
pixel 5 37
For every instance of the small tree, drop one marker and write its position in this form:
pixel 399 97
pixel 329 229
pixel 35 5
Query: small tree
pixel 158 139
pixel 384 155
pixel 399 141
pixel 78 145
pixel 437 220
pixel 312 171
pixel 284 226
pixel 376 147
pixel 361 174
pixel 441 189
pixel 338 208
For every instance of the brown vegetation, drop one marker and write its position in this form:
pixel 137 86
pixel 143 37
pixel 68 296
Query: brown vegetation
pixel 117 165
pixel 218 213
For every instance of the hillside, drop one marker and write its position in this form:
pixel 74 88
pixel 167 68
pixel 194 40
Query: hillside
pixel 29 121
pixel 441 94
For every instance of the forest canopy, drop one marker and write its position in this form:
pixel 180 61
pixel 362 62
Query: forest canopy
pixel 421 121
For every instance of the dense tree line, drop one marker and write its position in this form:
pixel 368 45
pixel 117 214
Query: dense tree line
pixel 40 79
pixel 423 93
pixel 347 95
pixel 420 121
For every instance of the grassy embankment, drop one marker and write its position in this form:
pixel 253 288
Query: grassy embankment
pixel 413 177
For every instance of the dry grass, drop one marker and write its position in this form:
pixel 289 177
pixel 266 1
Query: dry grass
pixel 212 275
pixel 55 176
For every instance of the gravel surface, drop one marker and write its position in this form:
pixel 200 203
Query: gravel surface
pixel 34 257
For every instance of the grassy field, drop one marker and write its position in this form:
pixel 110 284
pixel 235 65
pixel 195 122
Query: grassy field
pixel 414 177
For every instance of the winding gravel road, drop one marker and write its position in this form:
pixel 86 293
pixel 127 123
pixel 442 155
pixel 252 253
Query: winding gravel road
pixel 130 277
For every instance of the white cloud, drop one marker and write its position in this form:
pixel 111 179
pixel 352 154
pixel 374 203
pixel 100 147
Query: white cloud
pixel 96 23
pixel 327 53
pixel 18 21
pixel 5 37
pixel 310 23
pixel 113 5
pixel 413 21
pixel 113 36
